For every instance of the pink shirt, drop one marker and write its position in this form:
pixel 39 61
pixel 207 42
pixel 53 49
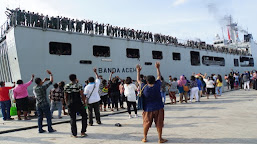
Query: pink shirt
pixel 21 91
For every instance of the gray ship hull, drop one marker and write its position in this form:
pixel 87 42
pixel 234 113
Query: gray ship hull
pixel 27 52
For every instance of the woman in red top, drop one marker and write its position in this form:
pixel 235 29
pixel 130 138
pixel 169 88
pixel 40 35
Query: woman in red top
pixel 5 101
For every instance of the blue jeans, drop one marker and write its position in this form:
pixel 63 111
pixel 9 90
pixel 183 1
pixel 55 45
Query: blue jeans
pixel 44 110
pixel 163 94
pixel 56 105
pixel 218 90
pixel 5 108
pixel 139 103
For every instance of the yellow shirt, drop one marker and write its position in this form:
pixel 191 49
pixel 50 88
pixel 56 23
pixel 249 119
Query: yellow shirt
pixel 219 84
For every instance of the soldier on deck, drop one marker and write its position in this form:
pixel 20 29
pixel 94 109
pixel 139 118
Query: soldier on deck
pixel 54 22
pixel 22 15
pixel 58 22
pixel 78 25
pixel 151 37
pixel 28 18
pixel 64 22
pixel 100 29
pixel 18 17
pixel 103 28
pixel 115 30
pixel 46 20
pixel 118 31
pixel 107 29
pixel 125 32
pixel 89 27
pixel 41 21
pixel 96 28
pixel 72 25
pixel 122 32
pixel 50 23
pixel 92 26
pixel 34 19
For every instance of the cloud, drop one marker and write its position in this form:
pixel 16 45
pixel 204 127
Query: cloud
pixel 179 2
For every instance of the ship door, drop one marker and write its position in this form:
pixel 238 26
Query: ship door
pixel 195 58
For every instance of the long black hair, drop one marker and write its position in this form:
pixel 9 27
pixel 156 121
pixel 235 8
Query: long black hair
pixel 219 78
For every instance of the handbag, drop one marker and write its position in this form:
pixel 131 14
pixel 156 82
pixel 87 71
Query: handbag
pixel 13 110
pixel 186 88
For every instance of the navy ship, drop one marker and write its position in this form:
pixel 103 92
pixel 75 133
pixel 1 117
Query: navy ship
pixel 30 45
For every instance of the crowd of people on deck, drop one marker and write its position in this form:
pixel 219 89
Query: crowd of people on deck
pixel 101 95
pixel 31 19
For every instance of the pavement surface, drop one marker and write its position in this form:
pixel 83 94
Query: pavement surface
pixel 229 119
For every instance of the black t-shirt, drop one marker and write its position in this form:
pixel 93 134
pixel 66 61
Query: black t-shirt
pixel 114 87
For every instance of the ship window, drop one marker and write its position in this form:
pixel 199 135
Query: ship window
pixel 57 48
pixel 176 56
pixel 209 60
pixel 236 63
pixel 85 62
pixel 101 51
pixel 157 54
pixel 133 53
pixel 148 63
pixel 246 62
pixel 195 58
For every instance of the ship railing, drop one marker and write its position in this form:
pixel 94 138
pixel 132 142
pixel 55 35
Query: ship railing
pixel 4 28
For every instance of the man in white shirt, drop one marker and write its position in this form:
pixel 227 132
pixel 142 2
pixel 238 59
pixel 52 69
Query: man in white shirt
pixel 93 98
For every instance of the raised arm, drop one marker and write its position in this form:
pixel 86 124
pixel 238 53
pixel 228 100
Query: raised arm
pixel 96 74
pixel 139 68
pixel 32 77
pixel 157 65
pixel 110 78
pixel 51 75
pixel 203 76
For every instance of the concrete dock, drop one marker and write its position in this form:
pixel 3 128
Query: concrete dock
pixel 232 118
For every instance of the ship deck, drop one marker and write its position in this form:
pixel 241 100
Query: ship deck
pixel 229 119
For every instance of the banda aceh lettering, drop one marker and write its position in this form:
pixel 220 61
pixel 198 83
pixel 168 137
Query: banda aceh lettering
pixel 116 70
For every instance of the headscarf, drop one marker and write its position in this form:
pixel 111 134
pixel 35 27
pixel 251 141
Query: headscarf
pixel 182 81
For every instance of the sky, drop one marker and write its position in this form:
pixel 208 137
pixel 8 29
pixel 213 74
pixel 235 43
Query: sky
pixel 184 19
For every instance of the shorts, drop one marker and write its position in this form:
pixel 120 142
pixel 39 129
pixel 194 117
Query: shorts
pixel 181 89
pixel 156 116
pixel 212 90
pixel 22 104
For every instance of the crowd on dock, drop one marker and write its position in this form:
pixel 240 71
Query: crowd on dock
pixel 100 95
